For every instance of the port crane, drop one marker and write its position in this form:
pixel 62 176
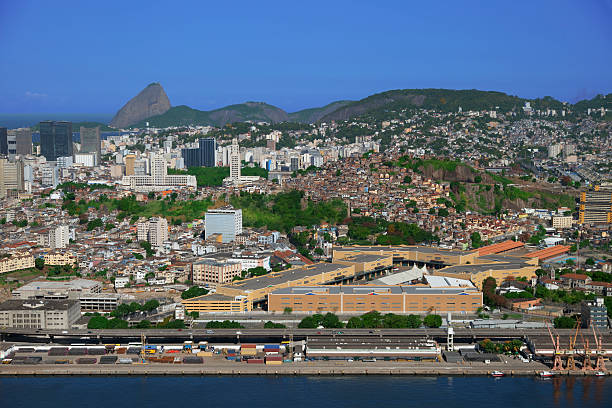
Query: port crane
pixel 600 353
pixel 557 354
pixel 571 351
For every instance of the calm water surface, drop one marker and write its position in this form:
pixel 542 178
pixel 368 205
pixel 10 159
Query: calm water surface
pixel 318 392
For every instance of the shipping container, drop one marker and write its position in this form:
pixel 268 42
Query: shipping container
pixel 274 362
pixel 274 358
pixel 255 361
pixel 125 361
pixel 204 354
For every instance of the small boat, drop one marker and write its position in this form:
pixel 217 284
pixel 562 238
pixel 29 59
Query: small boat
pixel 600 374
pixel 546 374
pixel 497 374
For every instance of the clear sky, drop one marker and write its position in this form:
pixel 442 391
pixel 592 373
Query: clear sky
pixel 93 56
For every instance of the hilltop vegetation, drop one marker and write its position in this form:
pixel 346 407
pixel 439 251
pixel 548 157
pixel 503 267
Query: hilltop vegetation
pixel 213 176
pixel 284 211
pixel 249 111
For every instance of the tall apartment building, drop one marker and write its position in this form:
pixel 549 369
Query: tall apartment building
pixel 596 206
pixel 562 221
pixel 225 221
pixel 59 237
pixel 55 139
pixel 50 176
pixel 90 141
pixel 11 177
pixel 235 161
pixel 203 156
pixel 154 231
pixel 554 150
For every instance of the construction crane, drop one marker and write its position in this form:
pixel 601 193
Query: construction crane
pixel 599 364
pixel 571 351
pixel 557 360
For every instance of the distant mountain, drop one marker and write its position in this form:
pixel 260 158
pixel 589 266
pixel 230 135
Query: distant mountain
pixel 441 99
pixel 313 115
pixel 151 101
pixel 248 111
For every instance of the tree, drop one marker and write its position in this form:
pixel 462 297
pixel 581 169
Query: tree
pixel 564 322
pixel 331 321
pixel 193 291
pixel 590 261
pixel 39 263
pixel 443 212
pixel 287 310
pixel 272 325
pixel 476 240
pixel 433 321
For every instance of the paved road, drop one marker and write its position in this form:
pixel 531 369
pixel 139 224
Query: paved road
pixel 245 333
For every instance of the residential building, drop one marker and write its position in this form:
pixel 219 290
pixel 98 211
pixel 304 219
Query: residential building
pixel 594 313
pixel 60 258
pixel 99 302
pixel 154 231
pixel 11 177
pixel 562 222
pixel 212 272
pixel 596 206
pixel 225 221
pixel 16 262
pixel 59 237
pixel 90 141
pixel 39 314
pixel 55 139
pixel 50 176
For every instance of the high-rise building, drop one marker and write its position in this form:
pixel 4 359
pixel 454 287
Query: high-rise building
pixel 50 176
pixel 55 139
pixel 59 237
pixel 235 161
pixel 159 169
pixel 90 141
pixel 225 221
pixel 129 164
pixel 23 140
pixel 3 141
pixel 154 231
pixel 11 177
pixel 596 206
pixel 202 156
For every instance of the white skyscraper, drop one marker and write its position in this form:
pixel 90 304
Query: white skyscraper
pixel 158 169
pixel 235 161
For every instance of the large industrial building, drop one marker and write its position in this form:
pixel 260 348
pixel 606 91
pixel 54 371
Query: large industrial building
pixel 447 281
pixel 39 314
pixel 226 221
pixel 72 289
pixel 385 299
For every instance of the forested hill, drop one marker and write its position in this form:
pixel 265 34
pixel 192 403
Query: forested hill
pixel 440 99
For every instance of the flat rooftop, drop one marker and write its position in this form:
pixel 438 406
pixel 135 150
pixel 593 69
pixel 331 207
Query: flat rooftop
pixel 475 268
pixel 371 290
pixel 75 284
pixel 30 304
pixel 277 278
pixel 366 258
pixel 415 248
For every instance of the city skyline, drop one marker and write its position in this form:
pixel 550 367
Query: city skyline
pixel 209 57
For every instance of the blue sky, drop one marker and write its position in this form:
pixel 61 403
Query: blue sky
pixel 92 56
